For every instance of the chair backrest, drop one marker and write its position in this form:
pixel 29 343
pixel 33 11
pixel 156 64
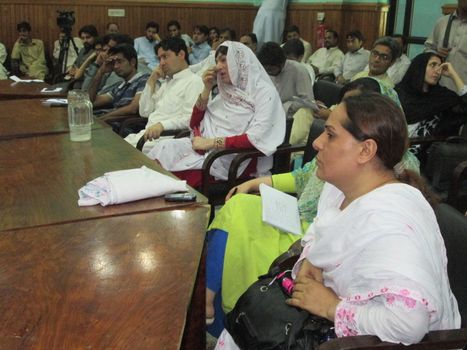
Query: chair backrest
pixel 453 226
pixel 327 92
pixel 317 127
pixel 457 194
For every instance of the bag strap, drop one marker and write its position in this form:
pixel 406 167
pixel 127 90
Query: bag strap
pixel 447 33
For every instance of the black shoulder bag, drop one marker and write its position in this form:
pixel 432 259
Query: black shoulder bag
pixel 262 320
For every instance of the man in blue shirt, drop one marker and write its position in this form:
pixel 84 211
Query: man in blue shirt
pixel 123 99
pixel 200 50
pixel 145 45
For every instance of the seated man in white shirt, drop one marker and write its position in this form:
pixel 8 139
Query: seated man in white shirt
pixel 293 32
pixel 293 83
pixel 327 59
pixel 355 60
pixel 397 71
pixel 383 54
pixel 144 45
pixel 169 95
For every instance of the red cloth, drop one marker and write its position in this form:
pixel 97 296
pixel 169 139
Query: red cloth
pixel 238 141
pixel 197 116
pixel 194 178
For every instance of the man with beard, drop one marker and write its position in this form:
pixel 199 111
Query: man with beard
pixel 97 59
pixel 169 95
pixel 27 56
pixel 383 54
pixel 88 35
pixel 123 99
pixel 329 58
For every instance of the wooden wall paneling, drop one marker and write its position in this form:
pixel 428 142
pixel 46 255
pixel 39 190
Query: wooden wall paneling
pixel 304 16
pixel 42 14
pixel 370 19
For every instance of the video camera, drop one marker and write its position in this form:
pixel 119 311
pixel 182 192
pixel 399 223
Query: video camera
pixel 65 20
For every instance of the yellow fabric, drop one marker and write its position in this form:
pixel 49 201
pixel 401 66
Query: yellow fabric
pixel 303 119
pixel 251 245
pixel 31 57
pixel 383 77
pixel 284 182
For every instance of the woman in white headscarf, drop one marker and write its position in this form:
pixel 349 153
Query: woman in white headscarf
pixel 246 113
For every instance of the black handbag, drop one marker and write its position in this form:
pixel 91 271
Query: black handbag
pixel 261 320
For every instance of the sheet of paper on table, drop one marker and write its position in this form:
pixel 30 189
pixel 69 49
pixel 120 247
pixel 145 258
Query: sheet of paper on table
pixel 55 102
pixel 19 80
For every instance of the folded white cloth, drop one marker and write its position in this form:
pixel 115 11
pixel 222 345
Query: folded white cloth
pixel 128 185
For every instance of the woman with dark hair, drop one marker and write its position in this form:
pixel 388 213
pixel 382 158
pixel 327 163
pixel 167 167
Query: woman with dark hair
pixel 373 260
pixel 429 107
pixel 247 113
pixel 241 246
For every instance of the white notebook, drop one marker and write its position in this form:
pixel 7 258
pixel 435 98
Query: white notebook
pixel 280 210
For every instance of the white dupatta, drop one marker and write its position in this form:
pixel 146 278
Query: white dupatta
pixel 387 241
pixel 251 105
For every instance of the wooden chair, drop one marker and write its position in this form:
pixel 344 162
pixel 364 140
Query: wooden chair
pixel 453 226
pixel 177 133
pixel 216 191
pixel 135 123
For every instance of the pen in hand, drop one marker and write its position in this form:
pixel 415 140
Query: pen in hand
pixel 234 191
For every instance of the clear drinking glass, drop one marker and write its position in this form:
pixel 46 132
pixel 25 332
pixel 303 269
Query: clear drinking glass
pixel 80 116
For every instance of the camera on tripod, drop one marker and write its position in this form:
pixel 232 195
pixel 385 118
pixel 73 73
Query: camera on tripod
pixel 65 20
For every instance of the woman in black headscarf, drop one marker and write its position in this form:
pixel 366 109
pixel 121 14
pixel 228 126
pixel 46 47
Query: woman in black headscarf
pixel 429 107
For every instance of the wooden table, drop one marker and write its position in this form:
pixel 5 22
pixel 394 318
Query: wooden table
pixel 40 178
pixel 113 283
pixel 24 118
pixel 10 90
pixel 125 276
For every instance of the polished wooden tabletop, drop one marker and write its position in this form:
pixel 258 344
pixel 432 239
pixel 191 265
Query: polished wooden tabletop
pixel 10 90
pixel 113 283
pixel 40 177
pixel 24 118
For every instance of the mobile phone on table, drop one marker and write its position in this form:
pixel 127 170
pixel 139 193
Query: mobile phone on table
pixel 180 197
